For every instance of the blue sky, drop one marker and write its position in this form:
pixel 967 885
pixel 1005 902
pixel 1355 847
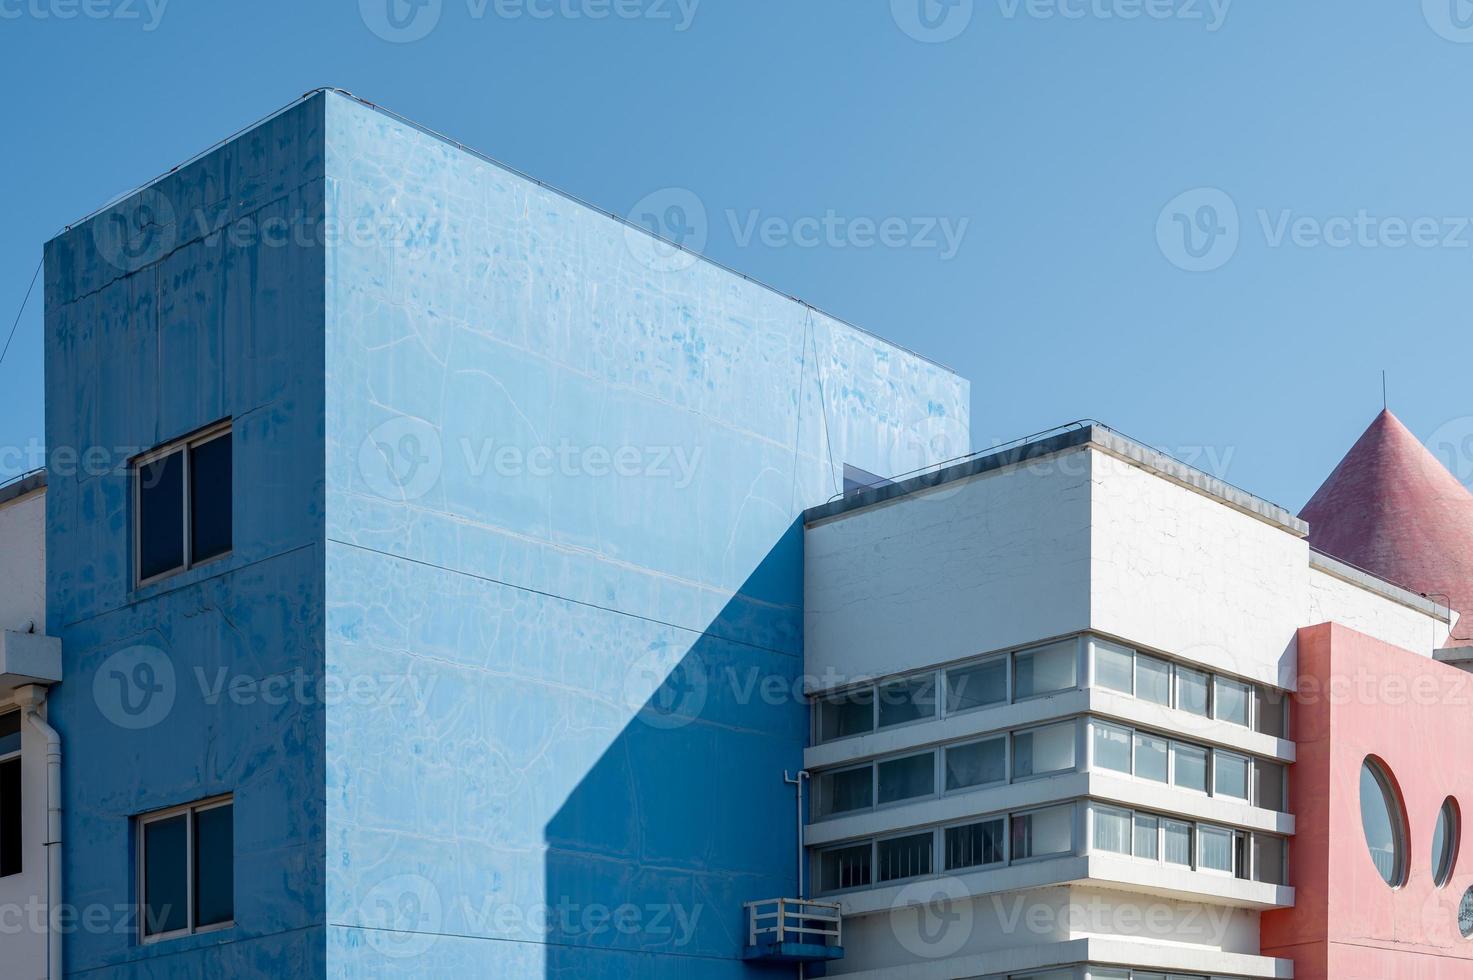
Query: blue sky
pixel 1210 224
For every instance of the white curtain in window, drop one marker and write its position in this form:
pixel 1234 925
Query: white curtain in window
pixel 1112 830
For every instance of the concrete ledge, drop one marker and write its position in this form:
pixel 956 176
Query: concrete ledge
pixel 22 486
pixel 29 658
pixel 1387 590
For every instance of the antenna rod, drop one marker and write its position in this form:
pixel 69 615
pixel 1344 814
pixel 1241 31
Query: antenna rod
pixel 1384 403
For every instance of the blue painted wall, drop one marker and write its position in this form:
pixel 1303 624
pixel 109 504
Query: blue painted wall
pixel 522 489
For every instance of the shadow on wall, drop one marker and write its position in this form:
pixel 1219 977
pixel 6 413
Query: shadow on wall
pixel 686 815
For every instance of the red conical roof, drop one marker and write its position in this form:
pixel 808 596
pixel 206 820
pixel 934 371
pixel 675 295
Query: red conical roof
pixel 1394 510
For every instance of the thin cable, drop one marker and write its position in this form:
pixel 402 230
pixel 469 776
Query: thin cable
pixel 21 312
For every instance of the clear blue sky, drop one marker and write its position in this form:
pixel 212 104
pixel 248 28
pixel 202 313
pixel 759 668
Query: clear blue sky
pixel 1056 133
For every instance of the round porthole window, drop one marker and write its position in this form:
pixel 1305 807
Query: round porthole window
pixel 1465 914
pixel 1445 842
pixel 1382 820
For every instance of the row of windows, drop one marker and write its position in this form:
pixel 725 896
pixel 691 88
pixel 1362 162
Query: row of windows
pixel 1200 846
pixel 1047 750
pixel 1198 692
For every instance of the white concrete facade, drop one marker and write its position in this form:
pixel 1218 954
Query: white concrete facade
pixel 1151 570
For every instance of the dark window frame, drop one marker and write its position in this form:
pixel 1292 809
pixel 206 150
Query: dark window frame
pixel 190 811
pixel 185 447
pixel 11 762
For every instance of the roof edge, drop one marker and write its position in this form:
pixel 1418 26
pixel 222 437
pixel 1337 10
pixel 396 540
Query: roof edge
pixel 1372 582
pixel 22 486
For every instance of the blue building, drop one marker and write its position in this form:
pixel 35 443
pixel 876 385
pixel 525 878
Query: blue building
pixel 491 665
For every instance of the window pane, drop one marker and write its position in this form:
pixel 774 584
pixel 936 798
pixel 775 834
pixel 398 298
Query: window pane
pixel 1112 830
pixel 844 867
pixel 1146 832
pixel 1191 690
pixel 10 839
pixel 160 488
pixel 1191 766
pixel 1268 785
pixel 1044 670
pixel 1232 701
pixel 214 866
pixel 977 686
pixel 1150 757
pixel 1114 666
pixel 975 845
pixel 908 700
pixel 1270 716
pixel 1112 747
pixel 847 714
pixel 1152 679
pixel 1445 842
pixel 1177 837
pixel 976 764
pixel 905 779
pixel 1215 849
pixel 209 496
pixel 904 857
pixel 843 792
pixel 1044 750
pixel 1230 775
pixel 166 875
pixel 9 733
pixel 1043 832
pixel 1381 820
pixel 1268 859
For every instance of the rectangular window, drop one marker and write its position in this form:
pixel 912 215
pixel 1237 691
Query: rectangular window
pixel 1189 767
pixel 1215 849
pixel 1152 679
pixel 908 778
pixel 1192 690
pixel 977 686
pixel 1151 760
pixel 842 715
pixel 1043 833
pixel 1230 775
pixel 1270 712
pixel 904 857
pixel 1268 785
pixel 1114 667
pixel 844 792
pixel 1111 747
pixel 1232 699
pixel 907 701
pixel 1044 750
pixel 1268 859
pixel 844 867
pixel 10 795
pixel 1046 670
pixel 1112 830
pixel 976 764
pixel 183 504
pixel 1147 833
pixel 187 869
pixel 1177 842
pixel 976 845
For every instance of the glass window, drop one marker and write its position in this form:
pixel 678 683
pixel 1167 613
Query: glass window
pixel 1271 713
pixel 1114 666
pixel 977 764
pixel 182 501
pixel 1152 679
pixel 844 867
pixel 977 686
pixel 1176 837
pixel 10 795
pixel 1445 842
pixel 844 792
pixel 904 857
pixel 9 733
pixel 1112 830
pixel 160 488
pixel 1192 690
pixel 908 700
pixel 214 866
pixel 907 778
pixel 1268 785
pixel 188 863
pixel 1043 832
pixel 1230 775
pixel 1147 836
pixel 1111 747
pixel 1215 849
pixel 1044 750
pixel 210 498
pixel 1268 859
pixel 1232 698
pixel 1150 757
pixel 1045 670
pixel 166 875
pixel 976 844
pixel 842 715
pixel 1189 765
pixel 1381 819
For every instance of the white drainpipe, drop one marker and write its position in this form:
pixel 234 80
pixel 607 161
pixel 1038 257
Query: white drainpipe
pixel 31 698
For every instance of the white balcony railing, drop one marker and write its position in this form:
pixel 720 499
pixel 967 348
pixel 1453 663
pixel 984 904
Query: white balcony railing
pixel 792 920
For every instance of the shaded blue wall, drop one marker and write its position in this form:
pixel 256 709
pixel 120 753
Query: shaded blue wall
pixel 190 310
pixel 583 643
